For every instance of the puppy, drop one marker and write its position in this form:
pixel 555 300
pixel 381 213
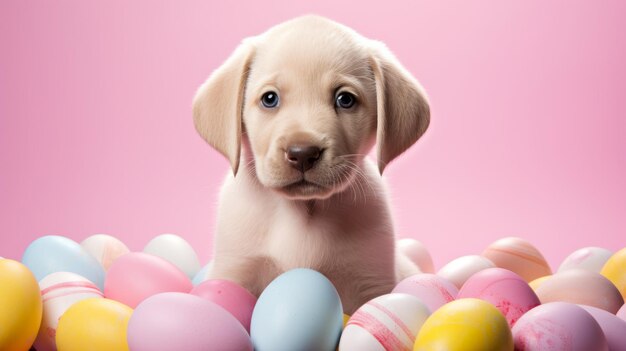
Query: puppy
pixel 296 110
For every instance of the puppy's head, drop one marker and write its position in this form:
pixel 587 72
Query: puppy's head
pixel 310 97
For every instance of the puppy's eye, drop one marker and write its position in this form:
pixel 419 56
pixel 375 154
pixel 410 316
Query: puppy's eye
pixel 345 100
pixel 269 99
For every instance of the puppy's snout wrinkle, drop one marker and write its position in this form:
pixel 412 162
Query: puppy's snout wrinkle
pixel 303 157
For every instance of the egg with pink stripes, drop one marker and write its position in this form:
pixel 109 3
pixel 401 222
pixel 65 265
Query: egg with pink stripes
pixel 388 322
pixel 431 289
pixel 59 291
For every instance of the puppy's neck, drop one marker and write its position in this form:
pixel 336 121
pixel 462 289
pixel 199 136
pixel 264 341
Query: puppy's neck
pixel 310 207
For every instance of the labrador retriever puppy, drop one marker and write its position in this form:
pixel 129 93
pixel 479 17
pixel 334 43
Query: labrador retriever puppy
pixel 296 110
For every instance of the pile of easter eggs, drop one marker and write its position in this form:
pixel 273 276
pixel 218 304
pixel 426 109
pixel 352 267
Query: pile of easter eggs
pixel 98 295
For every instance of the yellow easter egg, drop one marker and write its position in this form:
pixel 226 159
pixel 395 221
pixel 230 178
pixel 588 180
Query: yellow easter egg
pixel 537 282
pixel 94 324
pixel 465 325
pixel 615 270
pixel 20 306
pixel 345 319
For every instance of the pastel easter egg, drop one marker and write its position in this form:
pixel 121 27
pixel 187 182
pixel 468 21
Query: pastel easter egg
pixel 615 270
pixel 460 269
pixel 104 248
pixel 581 287
pixel 136 276
pixel 535 284
pixel 231 296
pixel 20 306
pixel 558 326
pixel 59 291
pixel 417 253
pixel 388 322
pixel 55 253
pixel 176 250
pixel 202 274
pixel 431 289
pixel 622 313
pixel 519 256
pixel 299 310
pixel 94 324
pixel 176 321
pixel 588 258
pixel 614 328
pixel 465 325
pixel 507 291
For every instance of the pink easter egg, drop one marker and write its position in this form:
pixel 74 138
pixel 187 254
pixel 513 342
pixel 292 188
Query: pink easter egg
pixel 614 328
pixel 417 253
pixel 433 290
pixel 177 321
pixel 581 287
pixel 558 326
pixel 388 322
pixel 519 256
pixel 622 312
pixel 507 291
pixel 59 291
pixel 231 296
pixel 589 258
pixel 136 276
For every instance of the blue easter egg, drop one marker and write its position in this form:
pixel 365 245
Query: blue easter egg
pixel 299 310
pixel 53 253
pixel 202 275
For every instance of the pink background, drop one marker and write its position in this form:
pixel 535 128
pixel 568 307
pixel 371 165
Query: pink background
pixel 528 132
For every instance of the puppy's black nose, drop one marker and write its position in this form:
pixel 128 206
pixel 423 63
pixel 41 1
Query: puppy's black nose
pixel 303 157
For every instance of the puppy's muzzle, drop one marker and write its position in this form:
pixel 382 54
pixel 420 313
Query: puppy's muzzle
pixel 303 157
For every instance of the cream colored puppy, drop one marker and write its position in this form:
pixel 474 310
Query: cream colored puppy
pixel 296 110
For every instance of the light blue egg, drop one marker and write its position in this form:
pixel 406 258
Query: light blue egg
pixel 202 275
pixel 299 310
pixel 53 253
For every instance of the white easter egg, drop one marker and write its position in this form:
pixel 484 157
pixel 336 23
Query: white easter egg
pixel 105 248
pixel 59 291
pixel 176 250
pixel 460 269
pixel 417 253
pixel 587 258
pixel 388 322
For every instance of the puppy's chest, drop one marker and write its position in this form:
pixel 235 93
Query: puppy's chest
pixel 298 239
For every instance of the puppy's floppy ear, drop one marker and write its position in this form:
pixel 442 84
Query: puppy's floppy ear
pixel 402 106
pixel 217 106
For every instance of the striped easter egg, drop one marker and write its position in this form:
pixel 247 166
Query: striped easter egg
pixel 59 291
pixel 104 248
pixel 388 322
pixel 518 256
